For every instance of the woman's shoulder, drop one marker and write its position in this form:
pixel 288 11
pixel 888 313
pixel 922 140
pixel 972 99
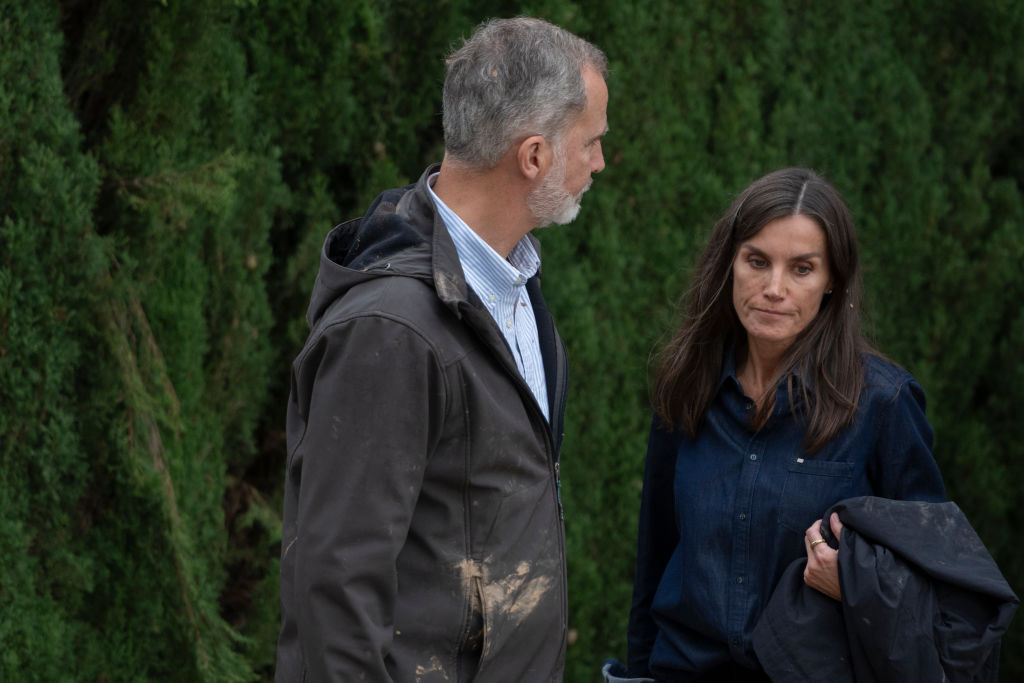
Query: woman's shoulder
pixel 886 380
pixel 663 433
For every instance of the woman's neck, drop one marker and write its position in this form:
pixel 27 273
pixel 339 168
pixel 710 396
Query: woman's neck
pixel 758 371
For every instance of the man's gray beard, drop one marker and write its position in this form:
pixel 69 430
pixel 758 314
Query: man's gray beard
pixel 550 203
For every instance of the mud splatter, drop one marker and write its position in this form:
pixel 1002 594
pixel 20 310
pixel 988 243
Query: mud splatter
pixel 469 569
pixel 446 286
pixel 516 595
pixel 434 666
pixel 507 599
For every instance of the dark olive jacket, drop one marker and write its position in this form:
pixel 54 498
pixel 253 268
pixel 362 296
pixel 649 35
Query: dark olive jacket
pixel 423 536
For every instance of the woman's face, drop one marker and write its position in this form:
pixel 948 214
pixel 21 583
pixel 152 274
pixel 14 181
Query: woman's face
pixel 779 278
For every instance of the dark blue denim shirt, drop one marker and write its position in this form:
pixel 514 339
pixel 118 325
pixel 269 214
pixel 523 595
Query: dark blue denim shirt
pixel 724 514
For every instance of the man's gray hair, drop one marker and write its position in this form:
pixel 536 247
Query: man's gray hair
pixel 513 78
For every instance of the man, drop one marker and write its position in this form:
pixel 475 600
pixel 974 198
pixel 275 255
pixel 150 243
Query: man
pixel 422 534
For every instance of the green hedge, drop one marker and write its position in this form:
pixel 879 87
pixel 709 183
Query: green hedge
pixel 169 168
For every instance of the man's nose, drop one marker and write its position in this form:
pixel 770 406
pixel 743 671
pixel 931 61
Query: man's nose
pixel 597 160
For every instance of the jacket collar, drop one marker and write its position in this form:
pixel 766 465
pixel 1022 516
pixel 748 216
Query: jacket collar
pixel 446 269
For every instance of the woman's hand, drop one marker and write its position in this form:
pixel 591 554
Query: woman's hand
pixel 822 571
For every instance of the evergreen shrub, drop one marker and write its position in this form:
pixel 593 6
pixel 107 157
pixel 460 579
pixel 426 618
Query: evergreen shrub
pixel 169 168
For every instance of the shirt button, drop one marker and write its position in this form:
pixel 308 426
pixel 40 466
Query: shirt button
pixel 753 456
pixel 739 579
pixel 508 323
pixel 492 298
pixel 743 516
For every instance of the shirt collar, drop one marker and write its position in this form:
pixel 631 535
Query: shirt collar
pixel 486 271
pixel 782 396
pixel 729 370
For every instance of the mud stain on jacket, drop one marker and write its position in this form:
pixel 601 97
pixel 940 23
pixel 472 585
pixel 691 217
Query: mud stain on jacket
pixel 434 666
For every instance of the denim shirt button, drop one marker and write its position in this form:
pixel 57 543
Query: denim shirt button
pixel 743 516
pixel 753 456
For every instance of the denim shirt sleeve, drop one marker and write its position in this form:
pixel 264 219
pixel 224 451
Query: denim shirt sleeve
pixel 657 539
pixel 903 467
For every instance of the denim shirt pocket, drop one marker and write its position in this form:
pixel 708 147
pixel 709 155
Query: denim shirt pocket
pixel 812 486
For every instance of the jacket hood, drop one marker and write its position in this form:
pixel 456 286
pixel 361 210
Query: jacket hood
pixel 396 237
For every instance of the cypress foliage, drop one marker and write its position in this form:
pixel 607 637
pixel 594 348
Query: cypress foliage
pixel 46 261
pixel 190 188
pixel 168 170
pixel 143 260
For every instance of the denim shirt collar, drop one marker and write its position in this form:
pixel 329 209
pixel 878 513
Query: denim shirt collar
pixel 783 401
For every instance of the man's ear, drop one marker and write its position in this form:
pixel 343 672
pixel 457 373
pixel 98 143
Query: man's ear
pixel 534 156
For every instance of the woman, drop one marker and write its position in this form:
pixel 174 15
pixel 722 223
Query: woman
pixel 770 407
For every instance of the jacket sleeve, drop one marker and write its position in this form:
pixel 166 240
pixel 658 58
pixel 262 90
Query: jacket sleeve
pixel 904 466
pixel 368 397
pixel 657 538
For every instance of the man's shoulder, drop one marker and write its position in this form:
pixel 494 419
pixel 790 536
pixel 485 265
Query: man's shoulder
pixel 390 310
pixel 398 297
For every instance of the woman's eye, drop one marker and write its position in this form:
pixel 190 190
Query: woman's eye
pixel 803 269
pixel 757 262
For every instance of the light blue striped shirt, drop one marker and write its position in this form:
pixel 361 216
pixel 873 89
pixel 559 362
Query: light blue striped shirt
pixel 501 285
